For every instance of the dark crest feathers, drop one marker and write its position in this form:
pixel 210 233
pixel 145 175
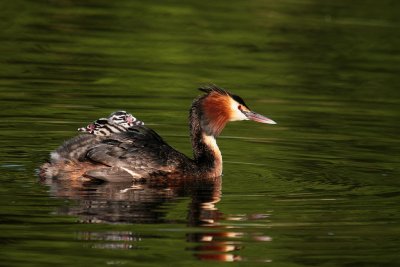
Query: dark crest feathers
pixel 213 88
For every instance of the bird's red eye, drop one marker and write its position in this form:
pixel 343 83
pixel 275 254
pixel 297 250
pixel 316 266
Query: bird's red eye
pixel 240 107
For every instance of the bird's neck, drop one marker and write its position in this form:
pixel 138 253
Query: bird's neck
pixel 207 155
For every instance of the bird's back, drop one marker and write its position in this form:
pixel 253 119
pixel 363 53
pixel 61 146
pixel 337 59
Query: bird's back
pixel 133 154
pixel 138 153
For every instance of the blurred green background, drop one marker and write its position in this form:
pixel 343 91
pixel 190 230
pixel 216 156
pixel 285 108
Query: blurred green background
pixel 321 188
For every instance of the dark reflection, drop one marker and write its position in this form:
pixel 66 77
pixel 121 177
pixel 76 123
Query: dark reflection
pixel 211 244
pixel 146 204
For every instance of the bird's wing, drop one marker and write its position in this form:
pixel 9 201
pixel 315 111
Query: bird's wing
pixel 134 154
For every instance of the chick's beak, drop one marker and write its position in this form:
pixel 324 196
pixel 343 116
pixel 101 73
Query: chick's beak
pixel 251 115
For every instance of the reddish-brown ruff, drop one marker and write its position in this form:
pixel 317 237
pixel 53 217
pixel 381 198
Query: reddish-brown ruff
pixel 216 109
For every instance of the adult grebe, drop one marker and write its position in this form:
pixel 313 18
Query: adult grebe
pixel 121 148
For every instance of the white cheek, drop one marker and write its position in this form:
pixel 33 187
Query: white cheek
pixel 236 114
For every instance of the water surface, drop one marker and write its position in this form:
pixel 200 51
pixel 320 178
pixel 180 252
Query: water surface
pixel 321 188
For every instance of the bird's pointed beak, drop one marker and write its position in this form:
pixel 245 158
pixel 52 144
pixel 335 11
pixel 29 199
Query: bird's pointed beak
pixel 251 115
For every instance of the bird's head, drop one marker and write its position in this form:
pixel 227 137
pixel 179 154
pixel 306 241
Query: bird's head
pixel 219 106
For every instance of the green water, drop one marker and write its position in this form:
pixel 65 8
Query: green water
pixel 321 188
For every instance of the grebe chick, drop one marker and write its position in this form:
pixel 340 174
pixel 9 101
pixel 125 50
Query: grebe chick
pixel 139 153
pixel 117 122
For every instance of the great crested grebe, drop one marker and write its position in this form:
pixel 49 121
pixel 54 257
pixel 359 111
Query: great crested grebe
pixel 121 148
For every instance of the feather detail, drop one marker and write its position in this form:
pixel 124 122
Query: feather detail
pixel 216 110
pixel 209 88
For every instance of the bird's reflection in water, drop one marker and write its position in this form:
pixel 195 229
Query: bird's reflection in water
pixel 145 204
